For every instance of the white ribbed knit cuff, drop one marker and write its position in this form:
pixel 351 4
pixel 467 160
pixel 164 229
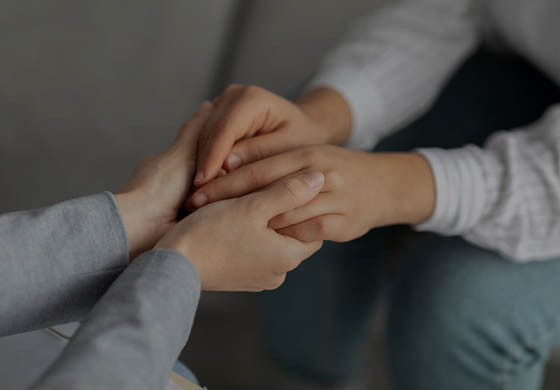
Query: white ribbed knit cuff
pixel 460 189
pixel 364 103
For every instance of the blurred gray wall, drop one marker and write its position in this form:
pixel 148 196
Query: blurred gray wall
pixel 284 41
pixel 88 88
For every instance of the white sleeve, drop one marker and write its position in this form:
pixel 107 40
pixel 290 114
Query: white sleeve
pixel 505 196
pixel 392 65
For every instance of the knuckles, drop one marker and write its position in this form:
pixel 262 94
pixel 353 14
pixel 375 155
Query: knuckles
pixel 260 150
pixel 255 176
pixel 334 179
pixel 256 207
pixel 251 91
pixel 244 91
pixel 291 189
pixel 232 88
pixel 314 155
pixel 308 155
pixel 221 125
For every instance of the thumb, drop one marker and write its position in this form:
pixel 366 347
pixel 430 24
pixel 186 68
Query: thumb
pixel 288 194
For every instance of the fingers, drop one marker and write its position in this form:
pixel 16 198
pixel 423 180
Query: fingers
pixel 324 227
pixel 215 144
pixel 241 111
pixel 286 195
pixel 324 203
pixel 248 178
pixel 236 114
pixel 257 148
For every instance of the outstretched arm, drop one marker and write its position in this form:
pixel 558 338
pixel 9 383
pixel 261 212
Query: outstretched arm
pixel 392 64
pixel 134 334
pixel 56 262
pixel 132 337
pixel 504 196
pixel 385 73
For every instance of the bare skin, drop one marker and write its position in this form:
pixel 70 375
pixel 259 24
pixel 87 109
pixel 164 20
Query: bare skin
pixel 259 137
pixel 151 200
pixel 361 191
pixel 249 123
pixel 229 242
pixel 233 247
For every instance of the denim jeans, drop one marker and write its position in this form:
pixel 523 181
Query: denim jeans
pixel 460 317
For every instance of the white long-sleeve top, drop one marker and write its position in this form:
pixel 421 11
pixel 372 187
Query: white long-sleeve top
pixel 504 196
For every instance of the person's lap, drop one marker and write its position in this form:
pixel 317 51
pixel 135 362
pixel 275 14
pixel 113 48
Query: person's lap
pixel 316 323
pixel 462 317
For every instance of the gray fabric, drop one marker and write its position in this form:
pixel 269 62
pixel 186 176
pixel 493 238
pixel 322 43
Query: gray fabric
pixel 134 334
pixel 56 262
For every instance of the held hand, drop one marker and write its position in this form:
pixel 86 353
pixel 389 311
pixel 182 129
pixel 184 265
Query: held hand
pixel 231 244
pixel 151 200
pixel 361 191
pixel 266 124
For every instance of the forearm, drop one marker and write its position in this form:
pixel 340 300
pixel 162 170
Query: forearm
pixel 56 262
pixel 401 190
pixel 392 64
pixel 134 334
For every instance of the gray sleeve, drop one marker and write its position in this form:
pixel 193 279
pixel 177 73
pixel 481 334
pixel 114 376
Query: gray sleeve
pixel 134 334
pixel 56 262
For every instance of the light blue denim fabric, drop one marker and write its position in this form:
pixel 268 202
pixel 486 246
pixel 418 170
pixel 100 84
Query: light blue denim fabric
pixel 462 317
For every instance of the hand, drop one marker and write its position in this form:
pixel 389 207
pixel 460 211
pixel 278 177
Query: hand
pixel 361 191
pixel 150 202
pixel 266 124
pixel 231 244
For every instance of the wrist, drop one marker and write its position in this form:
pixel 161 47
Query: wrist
pixel 422 190
pixel 408 187
pixel 142 231
pixel 178 240
pixel 330 112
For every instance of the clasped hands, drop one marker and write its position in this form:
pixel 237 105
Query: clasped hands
pixel 268 188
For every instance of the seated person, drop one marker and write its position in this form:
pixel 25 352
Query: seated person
pixel 463 314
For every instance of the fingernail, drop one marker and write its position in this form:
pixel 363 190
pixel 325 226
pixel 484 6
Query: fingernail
pixel 233 161
pixel 199 178
pixel 313 179
pixel 200 200
pixel 204 107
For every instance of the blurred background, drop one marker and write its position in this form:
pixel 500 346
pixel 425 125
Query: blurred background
pixel 87 89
